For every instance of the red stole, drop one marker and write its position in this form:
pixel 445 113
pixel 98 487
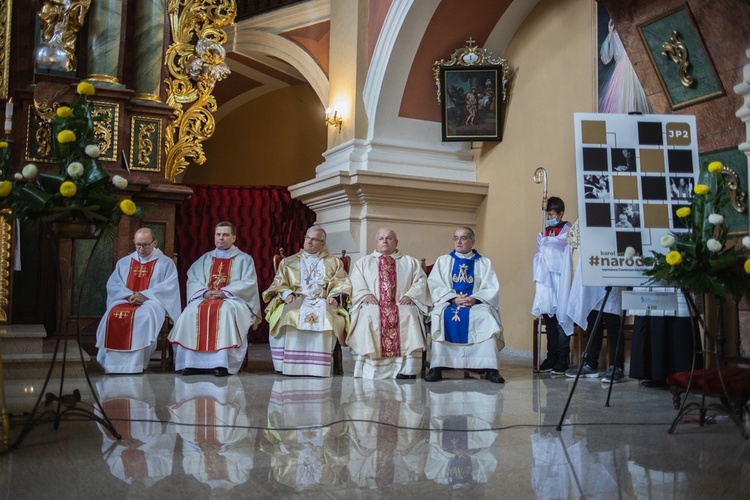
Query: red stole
pixel 119 332
pixel 133 459
pixel 209 311
pixel 390 336
pixel 386 444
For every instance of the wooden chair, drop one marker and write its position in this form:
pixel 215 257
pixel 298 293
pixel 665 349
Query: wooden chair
pixel 163 346
pixel 338 357
pixel 427 270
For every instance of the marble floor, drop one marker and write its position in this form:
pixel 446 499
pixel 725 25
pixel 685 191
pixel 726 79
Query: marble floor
pixel 262 435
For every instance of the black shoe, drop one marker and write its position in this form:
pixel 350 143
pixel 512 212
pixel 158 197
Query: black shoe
pixel 401 376
pixel 190 371
pixel 220 371
pixel 434 375
pixel 547 366
pixel 654 384
pixel 560 369
pixel 494 377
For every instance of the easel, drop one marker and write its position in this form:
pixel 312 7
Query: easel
pixel 619 348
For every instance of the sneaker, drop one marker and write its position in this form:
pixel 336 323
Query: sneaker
pixel 560 369
pixel 618 376
pixel 546 366
pixel 587 372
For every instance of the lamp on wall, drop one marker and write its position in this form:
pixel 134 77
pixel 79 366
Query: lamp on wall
pixel 334 119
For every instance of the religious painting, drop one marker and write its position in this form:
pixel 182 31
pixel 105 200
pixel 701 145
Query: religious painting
pixel 471 109
pixel 681 60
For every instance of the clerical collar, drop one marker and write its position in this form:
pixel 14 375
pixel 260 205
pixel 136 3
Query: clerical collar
pixel 311 255
pixel 465 255
pixel 224 254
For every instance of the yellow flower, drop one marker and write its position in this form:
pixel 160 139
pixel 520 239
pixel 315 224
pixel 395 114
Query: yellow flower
pixel 674 258
pixel 3 144
pixel 701 189
pixel 715 166
pixel 683 212
pixel 66 136
pixel 5 188
pixel 127 207
pixel 64 111
pixel 85 88
pixel 68 189
pixel 747 266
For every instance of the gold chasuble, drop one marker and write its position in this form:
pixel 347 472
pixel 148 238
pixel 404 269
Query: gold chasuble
pixel 209 311
pixel 119 333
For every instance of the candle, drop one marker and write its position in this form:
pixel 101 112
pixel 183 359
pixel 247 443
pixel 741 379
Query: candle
pixel 9 116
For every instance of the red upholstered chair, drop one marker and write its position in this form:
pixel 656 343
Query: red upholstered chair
pixel 731 384
pixel 277 258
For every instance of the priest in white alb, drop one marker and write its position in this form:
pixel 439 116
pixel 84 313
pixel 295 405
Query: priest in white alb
pixel 389 303
pixel 223 304
pixel 466 328
pixel 141 292
pixel 306 311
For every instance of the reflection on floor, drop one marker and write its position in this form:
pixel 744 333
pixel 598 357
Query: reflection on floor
pixel 262 435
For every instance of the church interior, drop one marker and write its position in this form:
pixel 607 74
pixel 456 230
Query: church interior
pixel 280 114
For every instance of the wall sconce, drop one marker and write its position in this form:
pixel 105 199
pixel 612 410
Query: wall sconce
pixel 334 120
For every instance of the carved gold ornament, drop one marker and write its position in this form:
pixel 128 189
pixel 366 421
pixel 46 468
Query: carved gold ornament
pixel 678 53
pixel 61 20
pixel 195 61
pixel 5 238
pixel 736 194
pixel 6 10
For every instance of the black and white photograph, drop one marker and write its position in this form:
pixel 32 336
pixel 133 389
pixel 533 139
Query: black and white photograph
pixel 596 187
pixel 627 216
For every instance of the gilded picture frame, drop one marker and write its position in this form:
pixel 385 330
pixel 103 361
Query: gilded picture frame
pixel 472 91
pixel 679 56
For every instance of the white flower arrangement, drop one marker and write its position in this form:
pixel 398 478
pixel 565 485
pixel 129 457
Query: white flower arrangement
pixel 746 242
pixel 17 176
pixel 93 151
pixel 119 182
pixel 75 170
pixel 30 171
pixel 629 253
pixel 713 245
pixel 667 241
pixel 716 219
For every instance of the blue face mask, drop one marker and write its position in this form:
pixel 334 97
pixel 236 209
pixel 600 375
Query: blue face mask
pixel 551 222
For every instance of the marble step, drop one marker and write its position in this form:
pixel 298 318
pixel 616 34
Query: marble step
pixel 36 365
pixel 21 339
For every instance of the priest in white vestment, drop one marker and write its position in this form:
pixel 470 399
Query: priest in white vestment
pixel 141 292
pixel 466 328
pixel 306 311
pixel 223 304
pixel 389 303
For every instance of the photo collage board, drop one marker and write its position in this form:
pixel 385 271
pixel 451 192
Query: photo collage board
pixel 633 173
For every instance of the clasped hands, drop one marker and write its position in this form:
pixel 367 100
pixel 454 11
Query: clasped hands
pixel 371 300
pixel 137 299
pixel 464 301
pixel 292 297
pixel 214 295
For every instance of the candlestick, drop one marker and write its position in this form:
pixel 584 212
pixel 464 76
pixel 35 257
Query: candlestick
pixel 9 116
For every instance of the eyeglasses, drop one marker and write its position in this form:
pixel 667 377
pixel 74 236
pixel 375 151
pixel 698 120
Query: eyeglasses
pixel 144 245
pixel 314 240
pixel 461 238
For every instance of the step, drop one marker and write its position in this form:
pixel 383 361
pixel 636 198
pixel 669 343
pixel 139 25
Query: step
pixel 36 365
pixel 21 339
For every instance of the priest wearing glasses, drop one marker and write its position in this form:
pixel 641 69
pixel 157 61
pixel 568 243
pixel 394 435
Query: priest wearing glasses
pixel 307 308
pixel 141 293
pixel 466 328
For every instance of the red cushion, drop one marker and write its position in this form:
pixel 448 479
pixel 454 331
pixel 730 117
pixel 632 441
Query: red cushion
pixel 736 380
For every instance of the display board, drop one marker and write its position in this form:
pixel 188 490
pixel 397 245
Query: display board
pixel 633 173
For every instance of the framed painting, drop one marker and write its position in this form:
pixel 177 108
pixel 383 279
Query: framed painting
pixel 471 110
pixel 680 58
pixel 472 90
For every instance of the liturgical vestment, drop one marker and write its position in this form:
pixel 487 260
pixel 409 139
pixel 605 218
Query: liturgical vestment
pixel 213 333
pixel 387 339
pixel 303 333
pixel 127 334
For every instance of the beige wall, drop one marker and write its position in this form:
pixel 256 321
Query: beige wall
pixel 553 58
pixel 276 139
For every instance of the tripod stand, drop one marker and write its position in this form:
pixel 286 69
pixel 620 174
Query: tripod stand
pixel 67 405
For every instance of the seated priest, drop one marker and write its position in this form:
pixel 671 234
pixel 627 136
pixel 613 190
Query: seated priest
pixel 223 304
pixel 141 292
pixel 307 308
pixel 389 302
pixel 466 328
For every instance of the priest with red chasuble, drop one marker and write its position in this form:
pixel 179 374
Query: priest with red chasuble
pixel 223 304
pixel 389 302
pixel 141 292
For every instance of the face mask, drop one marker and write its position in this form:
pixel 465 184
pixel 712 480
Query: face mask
pixel 551 222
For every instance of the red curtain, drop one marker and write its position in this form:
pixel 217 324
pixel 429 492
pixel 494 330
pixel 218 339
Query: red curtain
pixel 266 218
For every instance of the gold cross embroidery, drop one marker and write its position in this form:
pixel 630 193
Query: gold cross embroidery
pixel 121 314
pixel 140 271
pixel 455 315
pixel 219 279
pixel 311 318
